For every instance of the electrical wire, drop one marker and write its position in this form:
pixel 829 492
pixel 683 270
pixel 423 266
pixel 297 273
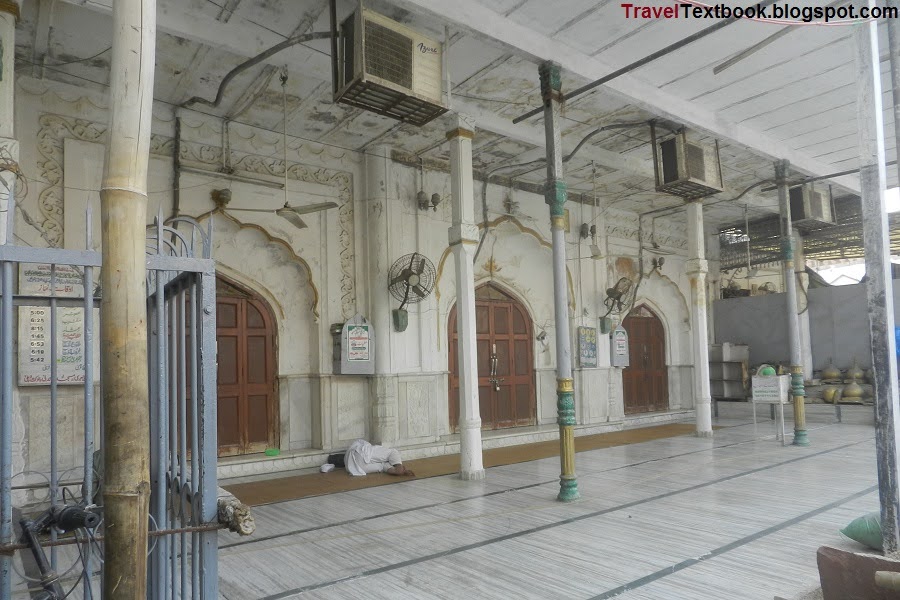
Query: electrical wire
pixel 539 161
pixel 78 60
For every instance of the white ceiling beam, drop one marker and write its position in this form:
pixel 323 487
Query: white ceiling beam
pixel 41 37
pixel 236 37
pixel 481 21
pixel 249 41
pixel 535 136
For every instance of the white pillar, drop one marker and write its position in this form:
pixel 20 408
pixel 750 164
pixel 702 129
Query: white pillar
pixel 697 269
pixel 383 425
pixel 876 239
pixel 463 235
pixel 9 146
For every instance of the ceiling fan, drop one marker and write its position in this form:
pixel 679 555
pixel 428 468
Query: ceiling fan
pixel 289 213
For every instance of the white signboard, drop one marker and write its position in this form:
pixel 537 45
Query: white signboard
pixel 358 342
pixel 35 328
pixel 619 347
pixel 771 389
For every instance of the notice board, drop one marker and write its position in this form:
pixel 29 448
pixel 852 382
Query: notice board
pixel 35 328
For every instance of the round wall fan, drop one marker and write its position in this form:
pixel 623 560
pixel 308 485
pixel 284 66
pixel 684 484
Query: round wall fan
pixel 620 296
pixel 411 279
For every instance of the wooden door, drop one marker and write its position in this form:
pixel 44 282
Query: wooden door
pixel 506 385
pixel 646 379
pixel 245 336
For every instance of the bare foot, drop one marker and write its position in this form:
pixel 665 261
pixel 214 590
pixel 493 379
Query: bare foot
pixel 400 471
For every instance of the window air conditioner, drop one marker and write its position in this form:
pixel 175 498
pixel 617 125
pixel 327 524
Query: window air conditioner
pixel 387 68
pixel 810 208
pixel 687 169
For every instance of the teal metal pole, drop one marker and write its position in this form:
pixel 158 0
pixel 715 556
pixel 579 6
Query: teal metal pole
pixel 555 195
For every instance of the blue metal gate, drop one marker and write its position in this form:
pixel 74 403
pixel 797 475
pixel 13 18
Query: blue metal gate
pixel 56 327
pixel 181 311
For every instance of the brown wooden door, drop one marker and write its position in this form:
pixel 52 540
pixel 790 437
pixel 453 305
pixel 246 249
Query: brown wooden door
pixel 245 337
pixel 646 379
pixel 506 385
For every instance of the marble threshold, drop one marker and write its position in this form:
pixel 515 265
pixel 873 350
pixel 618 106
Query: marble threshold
pixel 296 462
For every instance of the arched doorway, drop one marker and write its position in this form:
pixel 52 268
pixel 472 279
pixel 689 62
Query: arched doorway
pixel 506 386
pixel 646 379
pixel 247 404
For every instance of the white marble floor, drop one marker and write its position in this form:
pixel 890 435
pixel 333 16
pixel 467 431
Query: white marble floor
pixel 736 517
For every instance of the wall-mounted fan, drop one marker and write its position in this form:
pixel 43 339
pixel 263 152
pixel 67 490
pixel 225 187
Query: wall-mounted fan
pixel 411 280
pixel 619 297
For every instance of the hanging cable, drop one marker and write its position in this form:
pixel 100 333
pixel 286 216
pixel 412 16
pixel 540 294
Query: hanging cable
pixel 284 78
pixel 539 161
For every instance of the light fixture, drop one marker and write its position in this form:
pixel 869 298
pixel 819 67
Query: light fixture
pixel 221 198
pixel 422 200
pixel 435 200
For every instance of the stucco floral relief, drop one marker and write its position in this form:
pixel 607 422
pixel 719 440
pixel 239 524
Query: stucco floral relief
pixel 54 129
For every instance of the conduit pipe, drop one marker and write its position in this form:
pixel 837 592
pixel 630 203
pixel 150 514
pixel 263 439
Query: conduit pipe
pixel 293 41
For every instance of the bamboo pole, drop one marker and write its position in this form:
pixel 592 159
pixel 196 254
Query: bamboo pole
pixel 126 436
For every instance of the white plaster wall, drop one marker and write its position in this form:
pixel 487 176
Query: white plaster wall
pixel 315 277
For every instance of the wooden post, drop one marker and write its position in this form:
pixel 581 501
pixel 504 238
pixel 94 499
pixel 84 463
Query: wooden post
pixel 123 195
pixel 9 147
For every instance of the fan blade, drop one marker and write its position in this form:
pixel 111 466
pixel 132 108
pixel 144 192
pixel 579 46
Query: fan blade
pixel 420 291
pixel 421 267
pixel 310 208
pixel 405 297
pixel 401 278
pixel 262 210
pixel 291 217
pixel 658 251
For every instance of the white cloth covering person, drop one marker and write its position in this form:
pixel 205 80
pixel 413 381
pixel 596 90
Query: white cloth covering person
pixel 363 458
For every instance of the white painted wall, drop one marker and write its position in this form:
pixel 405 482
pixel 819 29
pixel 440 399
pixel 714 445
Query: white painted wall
pixel 315 277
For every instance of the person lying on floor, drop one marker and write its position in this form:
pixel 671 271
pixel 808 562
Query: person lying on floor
pixel 362 458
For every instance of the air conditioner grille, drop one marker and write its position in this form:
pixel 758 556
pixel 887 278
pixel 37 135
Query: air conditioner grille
pixel 696 165
pixel 816 206
pixel 388 54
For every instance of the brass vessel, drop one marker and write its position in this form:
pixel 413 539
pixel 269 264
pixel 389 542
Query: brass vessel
pixel 853 392
pixel 854 373
pixel 831 372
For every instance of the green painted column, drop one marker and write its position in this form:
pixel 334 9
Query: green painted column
pixel 555 195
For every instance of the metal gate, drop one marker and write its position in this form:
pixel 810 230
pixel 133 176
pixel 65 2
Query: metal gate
pixel 181 313
pixel 55 349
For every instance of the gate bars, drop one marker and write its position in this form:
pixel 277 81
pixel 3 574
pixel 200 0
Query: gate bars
pixel 181 310
pixel 181 317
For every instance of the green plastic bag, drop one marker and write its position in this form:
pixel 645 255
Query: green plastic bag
pixel 866 530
